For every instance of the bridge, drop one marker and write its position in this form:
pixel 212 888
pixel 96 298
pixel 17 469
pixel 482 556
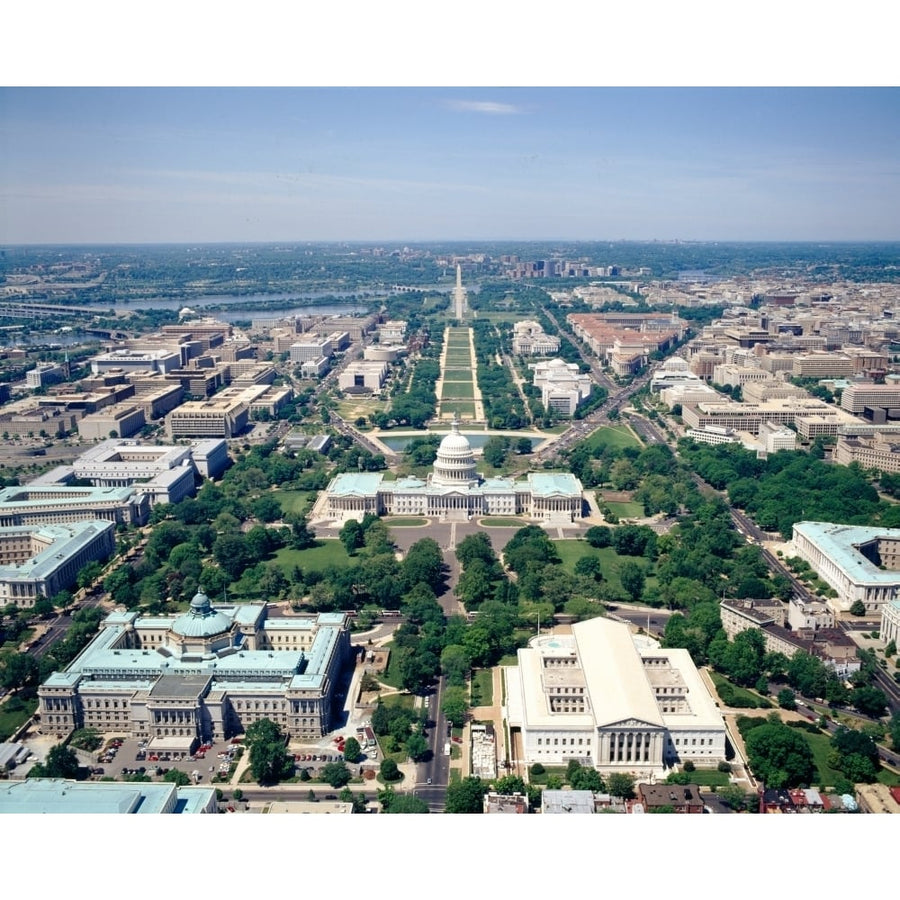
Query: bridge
pixel 19 309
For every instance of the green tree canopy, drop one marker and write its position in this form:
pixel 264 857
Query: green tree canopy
pixel 466 796
pixel 352 750
pixel 779 755
pixel 336 774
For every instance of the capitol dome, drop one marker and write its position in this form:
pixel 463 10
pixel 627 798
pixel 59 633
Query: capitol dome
pixel 455 462
pixel 202 620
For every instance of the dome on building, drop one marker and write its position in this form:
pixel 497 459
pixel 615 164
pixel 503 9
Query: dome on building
pixel 202 620
pixel 455 445
pixel 455 463
pixel 675 364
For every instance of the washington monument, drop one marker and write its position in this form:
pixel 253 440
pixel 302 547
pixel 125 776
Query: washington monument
pixel 459 295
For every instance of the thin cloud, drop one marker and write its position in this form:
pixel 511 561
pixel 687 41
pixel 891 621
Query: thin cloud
pixel 488 107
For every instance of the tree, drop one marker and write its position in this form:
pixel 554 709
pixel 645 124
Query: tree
pixel 870 701
pixel 336 774
pixel 269 759
pixel 43 607
pixel 587 779
pixel 599 536
pixel 632 577
pixel 621 784
pixel 858 608
pixel 18 670
pixel 779 755
pixel 589 567
pixel 88 574
pixel 465 796
pixel 352 750
pixel 417 747
pixel 510 784
pixel 406 804
pixel 455 664
pixel 352 536
pixel 418 669
pixel 734 796
pixel 455 705
pixel 61 762
pixel 855 754
pixel 389 770
pixel 895 730
pixel 231 553
pixel 424 564
pixel 176 776
pixel 475 546
pixel 786 699
pixel 266 508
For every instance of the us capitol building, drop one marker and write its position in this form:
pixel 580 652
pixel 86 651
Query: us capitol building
pixel 178 681
pixel 455 491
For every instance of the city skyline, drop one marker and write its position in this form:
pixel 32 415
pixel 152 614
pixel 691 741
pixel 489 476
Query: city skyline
pixel 203 165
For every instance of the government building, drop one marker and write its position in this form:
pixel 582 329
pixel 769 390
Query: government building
pixel 613 701
pixel 204 675
pixel 455 491
pixel 859 562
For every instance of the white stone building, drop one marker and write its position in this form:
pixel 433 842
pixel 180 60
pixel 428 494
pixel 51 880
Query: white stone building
pixel 177 681
pixel 455 491
pixel 612 700
pixel 858 562
pixel 563 386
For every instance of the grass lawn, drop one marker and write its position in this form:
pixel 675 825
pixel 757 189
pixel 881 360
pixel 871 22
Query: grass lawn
pixel 295 501
pixel 391 677
pixel 612 436
pixel 330 552
pixel 559 771
pixel 354 407
pixel 458 373
pixel 501 522
pixel 820 744
pixel 709 777
pixel 482 688
pixel 571 550
pixel 461 407
pixel 625 510
pixel 408 522
pixel 458 389
pixel 14 714
pixel 751 700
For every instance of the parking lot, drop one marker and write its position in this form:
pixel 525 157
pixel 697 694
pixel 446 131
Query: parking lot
pixel 215 763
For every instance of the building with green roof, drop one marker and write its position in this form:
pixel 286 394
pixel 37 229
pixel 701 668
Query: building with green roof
pixel 454 491
pixel 178 681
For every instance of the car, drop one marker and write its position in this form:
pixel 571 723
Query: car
pixel 429 781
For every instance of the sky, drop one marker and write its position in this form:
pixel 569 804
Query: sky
pixel 119 161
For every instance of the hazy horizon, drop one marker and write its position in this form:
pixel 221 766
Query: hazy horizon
pixel 113 166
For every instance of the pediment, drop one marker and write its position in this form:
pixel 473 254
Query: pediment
pixel 630 723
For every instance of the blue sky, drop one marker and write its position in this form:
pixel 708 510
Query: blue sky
pixel 427 164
